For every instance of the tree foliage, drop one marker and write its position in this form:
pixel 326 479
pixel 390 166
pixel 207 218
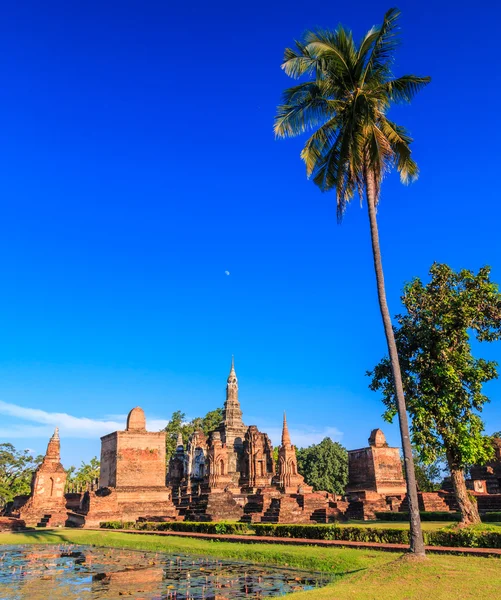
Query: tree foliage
pixel 324 466
pixel 347 91
pixel 178 424
pixel 16 470
pixel 428 475
pixel 85 475
pixel 442 379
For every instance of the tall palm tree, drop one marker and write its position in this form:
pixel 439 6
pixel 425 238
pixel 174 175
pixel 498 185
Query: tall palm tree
pixel 345 100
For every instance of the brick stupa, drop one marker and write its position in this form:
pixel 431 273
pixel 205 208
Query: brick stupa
pixel 47 504
pixel 132 475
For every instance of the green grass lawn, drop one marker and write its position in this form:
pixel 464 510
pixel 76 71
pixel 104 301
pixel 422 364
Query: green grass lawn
pixel 363 574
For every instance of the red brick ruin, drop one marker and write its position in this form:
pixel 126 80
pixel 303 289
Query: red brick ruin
pixel 229 474
pixel 46 504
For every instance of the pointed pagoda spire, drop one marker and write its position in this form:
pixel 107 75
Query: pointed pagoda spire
pixel 179 440
pixel 286 438
pixel 53 453
pixel 232 377
pixel 232 413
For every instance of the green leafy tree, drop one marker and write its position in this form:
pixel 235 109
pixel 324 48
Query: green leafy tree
pixel 212 420
pixel 172 429
pixel 428 475
pixel 496 434
pixel 178 424
pixel 16 470
pixel 345 98
pixel 442 379
pixel 324 466
pixel 85 475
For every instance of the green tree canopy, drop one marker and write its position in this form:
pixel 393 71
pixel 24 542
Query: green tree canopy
pixel 16 470
pixel 178 424
pixel 428 475
pixel 324 466
pixel 442 379
pixel 85 475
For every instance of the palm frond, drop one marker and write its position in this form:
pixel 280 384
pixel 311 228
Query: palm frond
pixel 384 45
pixel 336 50
pixel 349 90
pixel 364 49
pixel 403 89
pixel 307 113
pixel 315 148
pixel 297 63
pixel 400 142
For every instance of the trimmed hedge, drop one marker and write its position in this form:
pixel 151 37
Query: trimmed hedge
pixel 464 538
pixel 457 538
pixel 425 516
pixel 491 517
pixel 189 526
pixel 117 524
pixel 334 532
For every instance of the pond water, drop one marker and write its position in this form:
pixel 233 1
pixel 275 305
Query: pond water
pixel 70 572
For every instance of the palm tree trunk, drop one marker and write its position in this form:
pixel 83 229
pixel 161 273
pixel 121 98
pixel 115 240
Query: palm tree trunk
pixel 416 534
pixel 467 507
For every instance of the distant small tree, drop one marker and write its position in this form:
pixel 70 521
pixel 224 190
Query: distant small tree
pixel 172 429
pixel 428 475
pixel 16 471
pixel 324 466
pixel 442 380
pixel 496 434
pixel 85 475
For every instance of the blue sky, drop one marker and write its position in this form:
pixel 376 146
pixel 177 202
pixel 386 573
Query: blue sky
pixel 138 165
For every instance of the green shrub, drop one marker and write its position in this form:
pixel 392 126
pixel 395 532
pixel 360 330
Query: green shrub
pixel 117 524
pixel 333 532
pixel 425 516
pixel 491 517
pixel 222 527
pixel 468 537
pixel 479 537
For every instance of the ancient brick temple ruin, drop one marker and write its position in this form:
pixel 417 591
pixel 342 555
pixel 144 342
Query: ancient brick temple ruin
pixel 375 478
pixel 46 504
pixel 132 476
pixel 229 474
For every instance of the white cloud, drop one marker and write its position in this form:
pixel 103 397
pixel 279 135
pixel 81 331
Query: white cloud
pixel 70 426
pixel 37 423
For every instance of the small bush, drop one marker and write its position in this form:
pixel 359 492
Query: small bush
pixel 117 524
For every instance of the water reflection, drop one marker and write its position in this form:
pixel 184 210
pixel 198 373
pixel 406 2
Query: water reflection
pixel 71 572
